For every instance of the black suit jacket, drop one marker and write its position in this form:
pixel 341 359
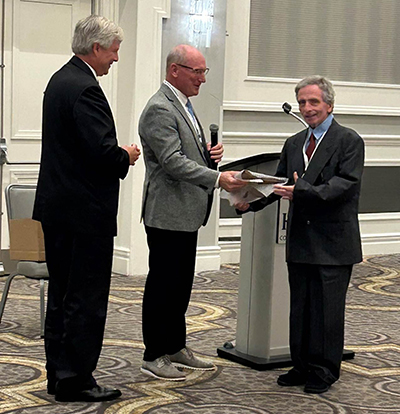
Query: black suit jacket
pixel 81 162
pixel 323 223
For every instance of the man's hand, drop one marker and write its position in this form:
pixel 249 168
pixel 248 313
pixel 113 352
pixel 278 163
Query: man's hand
pixel 216 152
pixel 133 151
pixel 242 206
pixel 229 182
pixel 286 191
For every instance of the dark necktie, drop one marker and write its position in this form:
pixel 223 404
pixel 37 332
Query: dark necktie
pixel 311 146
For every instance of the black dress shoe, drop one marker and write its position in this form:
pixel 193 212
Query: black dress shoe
pixel 51 389
pixel 315 384
pixel 291 378
pixel 51 383
pixel 94 394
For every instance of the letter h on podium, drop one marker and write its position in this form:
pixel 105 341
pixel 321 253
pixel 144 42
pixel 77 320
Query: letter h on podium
pixel 282 220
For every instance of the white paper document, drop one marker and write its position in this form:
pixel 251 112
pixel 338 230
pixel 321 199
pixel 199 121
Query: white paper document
pixel 259 186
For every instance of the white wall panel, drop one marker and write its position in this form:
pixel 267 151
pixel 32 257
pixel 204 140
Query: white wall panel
pixel 38 42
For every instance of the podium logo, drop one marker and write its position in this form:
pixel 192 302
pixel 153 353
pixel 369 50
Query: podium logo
pixel 282 221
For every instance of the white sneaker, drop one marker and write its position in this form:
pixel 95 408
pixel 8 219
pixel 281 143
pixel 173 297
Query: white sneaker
pixel 162 368
pixel 186 359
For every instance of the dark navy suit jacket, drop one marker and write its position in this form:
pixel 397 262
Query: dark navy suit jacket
pixel 81 162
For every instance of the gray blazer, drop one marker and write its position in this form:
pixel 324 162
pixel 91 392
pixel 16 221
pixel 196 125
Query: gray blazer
pixel 178 183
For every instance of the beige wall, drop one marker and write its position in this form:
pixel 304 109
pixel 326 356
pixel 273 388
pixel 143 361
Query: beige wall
pixel 253 121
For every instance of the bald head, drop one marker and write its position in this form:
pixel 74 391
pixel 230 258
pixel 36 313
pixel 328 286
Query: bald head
pixel 178 55
pixel 185 69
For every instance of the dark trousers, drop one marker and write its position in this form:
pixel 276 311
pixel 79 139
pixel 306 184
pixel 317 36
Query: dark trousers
pixel 80 274
pixel 317 312
pixel 172 259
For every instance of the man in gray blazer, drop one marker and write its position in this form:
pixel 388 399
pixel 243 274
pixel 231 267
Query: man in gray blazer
pixel 324 164
pixel 177 199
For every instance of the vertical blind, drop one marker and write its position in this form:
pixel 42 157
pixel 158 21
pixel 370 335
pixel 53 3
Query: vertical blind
pixel 344 40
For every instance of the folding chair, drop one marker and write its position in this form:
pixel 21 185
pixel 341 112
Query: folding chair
pixel 19 202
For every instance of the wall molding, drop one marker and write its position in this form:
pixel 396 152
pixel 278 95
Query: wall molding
pixel 248 138
pixel 379 217
pixel 230 251
pixel 380 243
pixel 382 163
pixel 249 106
pixel 27 135
pixel 208 258
pixel 373 236
pixel 22 175
pixel 121 260
pixel 294 81
pixel 254 138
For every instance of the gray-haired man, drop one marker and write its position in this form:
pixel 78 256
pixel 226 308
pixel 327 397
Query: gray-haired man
pixel 324 164
pixel 76 201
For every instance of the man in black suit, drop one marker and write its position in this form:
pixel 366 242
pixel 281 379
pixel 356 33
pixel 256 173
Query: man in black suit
pixel 324 164
pixel 76 202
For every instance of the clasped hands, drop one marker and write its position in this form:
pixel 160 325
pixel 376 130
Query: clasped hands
pixel 133 152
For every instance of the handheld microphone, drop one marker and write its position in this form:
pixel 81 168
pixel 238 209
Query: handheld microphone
pixel 214 141
pixel 287 108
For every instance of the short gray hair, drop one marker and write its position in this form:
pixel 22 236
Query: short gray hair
pixel 328 93
pixel 95 29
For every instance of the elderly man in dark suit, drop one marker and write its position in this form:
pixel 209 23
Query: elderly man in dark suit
pixel 76 201
pixel 177 198
pixel 324 164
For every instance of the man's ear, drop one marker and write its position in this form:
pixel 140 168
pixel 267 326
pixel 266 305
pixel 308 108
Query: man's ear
pixel 96 48
pixel 173 70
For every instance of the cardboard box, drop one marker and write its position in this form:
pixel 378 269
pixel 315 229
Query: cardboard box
pixel 26 240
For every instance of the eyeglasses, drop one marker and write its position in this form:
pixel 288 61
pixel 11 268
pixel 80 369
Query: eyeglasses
pixel 196 71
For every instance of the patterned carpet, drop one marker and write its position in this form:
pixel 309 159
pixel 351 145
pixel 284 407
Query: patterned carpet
pixel 369 383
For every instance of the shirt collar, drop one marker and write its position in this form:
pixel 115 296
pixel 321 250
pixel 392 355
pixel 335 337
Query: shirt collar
pixel 92 70
pixel 181 96
pixel 321 129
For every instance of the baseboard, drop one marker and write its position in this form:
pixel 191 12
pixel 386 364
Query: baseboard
pixel 230 251
pixel 374 244
pixel 208 258
pixel 121 261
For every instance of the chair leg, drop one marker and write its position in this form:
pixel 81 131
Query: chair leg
pixel 42 316
pixel 5 293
